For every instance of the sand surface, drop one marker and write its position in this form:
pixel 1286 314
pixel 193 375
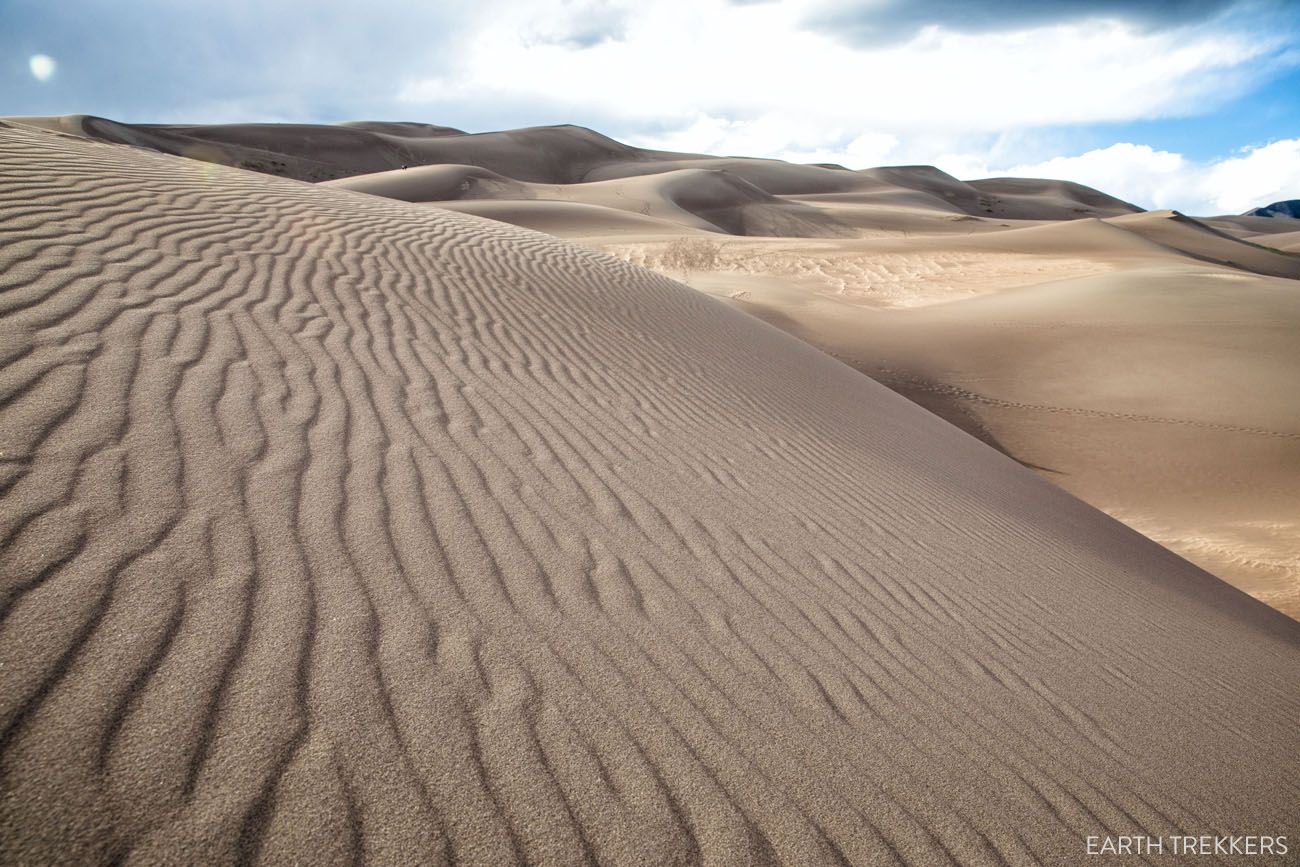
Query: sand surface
pixel 339 529
pixel 1183 325
pixel 1153 376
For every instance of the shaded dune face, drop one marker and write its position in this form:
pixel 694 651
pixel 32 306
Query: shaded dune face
pixel 436 183
pixel 556 154
pixel 737 207
pixel 453 165
pixel 1012 196
pixel 1194 238
pixel 714 201
pixel 339 529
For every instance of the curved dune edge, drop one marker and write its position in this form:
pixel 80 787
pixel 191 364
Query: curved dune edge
pixel 711 201
pixel 368 152
pixel 341 529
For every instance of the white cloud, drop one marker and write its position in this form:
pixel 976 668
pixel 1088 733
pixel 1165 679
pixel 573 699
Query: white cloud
pixel 710 76
pixel 779 136
pixel 697 65
pixel 1162 179
pixel 1260 176
pixel 575 24
pixel 1138 173
pixel 867 149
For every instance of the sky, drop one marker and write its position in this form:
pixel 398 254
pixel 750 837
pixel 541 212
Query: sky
pixel 1186 104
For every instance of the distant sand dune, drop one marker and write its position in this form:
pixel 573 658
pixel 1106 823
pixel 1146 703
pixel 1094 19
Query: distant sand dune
pixel 572 219
pixel 1198 240
pixel 339 529
pixel 1288 241
pixel 566 155
pixel 551 155
pixel 1160 391
pixel 438 183
pixel 712 201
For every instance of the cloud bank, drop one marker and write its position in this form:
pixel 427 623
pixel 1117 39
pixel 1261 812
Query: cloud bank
pixel 1160 179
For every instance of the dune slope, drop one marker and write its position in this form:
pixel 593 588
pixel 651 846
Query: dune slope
pixel 317 152
pixel 1198 240
pixel 711 201
pixel 340 529
pixel 510 160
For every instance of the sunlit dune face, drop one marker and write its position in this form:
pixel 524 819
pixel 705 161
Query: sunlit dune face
pixel 42 66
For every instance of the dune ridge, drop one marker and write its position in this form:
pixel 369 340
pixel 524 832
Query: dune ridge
pixel 317 152
pixel 343 528
pixel 571 155
pixel 707 200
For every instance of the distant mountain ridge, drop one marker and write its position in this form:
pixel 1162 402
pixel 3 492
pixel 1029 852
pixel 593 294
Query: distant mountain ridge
pixel 1287 208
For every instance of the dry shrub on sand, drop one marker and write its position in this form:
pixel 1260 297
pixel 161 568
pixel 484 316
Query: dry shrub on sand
pixel 685 255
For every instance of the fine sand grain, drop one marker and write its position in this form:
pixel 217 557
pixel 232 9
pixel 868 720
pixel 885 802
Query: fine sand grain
pixel 338 529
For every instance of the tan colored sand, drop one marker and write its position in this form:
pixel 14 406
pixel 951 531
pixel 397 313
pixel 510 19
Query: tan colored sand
pixel 876 274
pixel 893 237
pixel 1161 394
pixel 337 529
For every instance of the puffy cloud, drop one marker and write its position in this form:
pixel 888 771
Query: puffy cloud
pixel 629 67
pixel 676 61
pixel 1162 179
pixel 577 24
pixel 1260 176
pixel 1137 173
pixel 776 135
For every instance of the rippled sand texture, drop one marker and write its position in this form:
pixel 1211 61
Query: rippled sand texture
pixel 336 528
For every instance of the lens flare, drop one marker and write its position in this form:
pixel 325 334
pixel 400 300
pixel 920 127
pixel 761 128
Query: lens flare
pixel 42 66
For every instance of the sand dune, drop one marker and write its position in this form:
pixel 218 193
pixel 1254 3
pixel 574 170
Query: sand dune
pixel 798 198
pixel 560 154
pixel 1287 241
pixel 303 151
pixel 708 199
pixel 563 155
pixel 774 176
pixel 574 219
pixel 1278 233
pixel 877 274
pixel 818 237
pixel 923 186
pixel 712 200
pixel 342 529
pixel 1160 391
pixel 1001 198
pixel 924 237
pixel 1158 388
pixel 1247 226
pixel 1028 198
pixel 1201 241
pixel 437 183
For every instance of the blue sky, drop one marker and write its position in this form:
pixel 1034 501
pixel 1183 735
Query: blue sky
pixel 1193 104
